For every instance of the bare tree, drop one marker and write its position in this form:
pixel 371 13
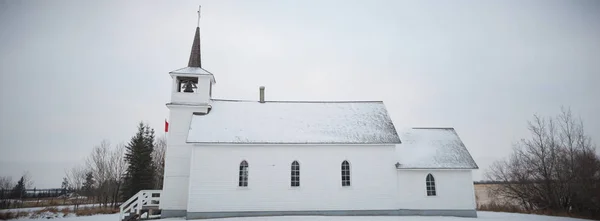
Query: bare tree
pixel 99 164
pixel 118 166
pixel 27 180
pixel 158 159
pixel 76 177
pixel 6 182
pixel 556 169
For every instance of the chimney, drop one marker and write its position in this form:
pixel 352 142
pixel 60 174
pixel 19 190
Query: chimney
pixel 262 94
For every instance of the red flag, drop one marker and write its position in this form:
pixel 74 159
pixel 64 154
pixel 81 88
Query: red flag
pixel 166 126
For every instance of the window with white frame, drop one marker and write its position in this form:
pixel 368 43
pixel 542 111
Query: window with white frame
pixel 430 184
pixel 243 174
pixel 295 174
pixel 345 173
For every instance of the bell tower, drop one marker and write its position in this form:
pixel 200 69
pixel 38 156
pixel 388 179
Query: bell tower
pixel 192 85
pixel 191 93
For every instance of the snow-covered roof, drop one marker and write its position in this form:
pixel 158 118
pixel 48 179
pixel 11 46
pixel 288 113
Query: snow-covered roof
pixel 294 122
pixel 191 70
pixel 433 148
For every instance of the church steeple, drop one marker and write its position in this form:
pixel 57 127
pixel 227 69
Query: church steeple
pixel 192 85
pixel 195 59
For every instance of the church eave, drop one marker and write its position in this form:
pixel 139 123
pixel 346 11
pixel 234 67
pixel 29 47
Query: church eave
pixel 192 74
pixel 191 105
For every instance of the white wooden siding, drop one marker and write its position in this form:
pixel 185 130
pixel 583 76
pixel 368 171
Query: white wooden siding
pixel 215 169
pixel 454 189
pixel 177 160
pixel 376 184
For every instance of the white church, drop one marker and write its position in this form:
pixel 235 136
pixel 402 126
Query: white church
pixel 237 158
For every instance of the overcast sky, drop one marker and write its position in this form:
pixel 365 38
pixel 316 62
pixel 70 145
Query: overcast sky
pixel 76 72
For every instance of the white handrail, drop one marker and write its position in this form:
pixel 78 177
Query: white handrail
pixel 136 203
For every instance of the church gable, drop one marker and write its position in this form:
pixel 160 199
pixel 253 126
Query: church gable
pixel 252 122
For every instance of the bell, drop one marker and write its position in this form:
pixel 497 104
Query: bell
pixel 188 87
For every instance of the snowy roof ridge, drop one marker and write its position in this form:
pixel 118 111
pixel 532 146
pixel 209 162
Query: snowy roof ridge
pixel 292 122
pixel 433 148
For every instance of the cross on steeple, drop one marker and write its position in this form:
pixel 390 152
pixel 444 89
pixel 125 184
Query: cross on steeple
pixel 198 16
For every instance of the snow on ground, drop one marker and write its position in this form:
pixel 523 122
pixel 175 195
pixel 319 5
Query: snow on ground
pixel 481 216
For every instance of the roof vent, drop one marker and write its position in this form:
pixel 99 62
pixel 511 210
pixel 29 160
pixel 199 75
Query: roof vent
pixel 262 94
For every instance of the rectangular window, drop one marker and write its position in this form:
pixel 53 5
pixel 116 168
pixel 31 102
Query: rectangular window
pixel 430 190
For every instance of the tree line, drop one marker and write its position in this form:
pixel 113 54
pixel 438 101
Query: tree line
pixel 109 175
pixel 555 169
pixel 18 190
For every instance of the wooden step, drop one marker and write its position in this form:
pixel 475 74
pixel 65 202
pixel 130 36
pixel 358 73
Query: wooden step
pixel 131 217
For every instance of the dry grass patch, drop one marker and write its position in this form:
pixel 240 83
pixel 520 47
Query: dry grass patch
pixel 88 211
pixel 494 207
pixel 501 208
pixel 65 210
pixel 47 209
pixel 13 215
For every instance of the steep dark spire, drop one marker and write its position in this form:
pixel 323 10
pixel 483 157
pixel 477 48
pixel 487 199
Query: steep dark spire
pixel 195 60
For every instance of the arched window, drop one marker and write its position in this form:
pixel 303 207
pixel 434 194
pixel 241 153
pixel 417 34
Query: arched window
pixel 295 173
pixel 430 184
pixel 243 173
pixel 345 173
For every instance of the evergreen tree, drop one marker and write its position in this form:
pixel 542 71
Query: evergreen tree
pixel 140 170
pixel 88 184
pixel 19 190
pixel 64 186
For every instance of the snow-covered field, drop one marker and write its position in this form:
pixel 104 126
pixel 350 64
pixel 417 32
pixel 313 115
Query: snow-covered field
pixel 482 216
